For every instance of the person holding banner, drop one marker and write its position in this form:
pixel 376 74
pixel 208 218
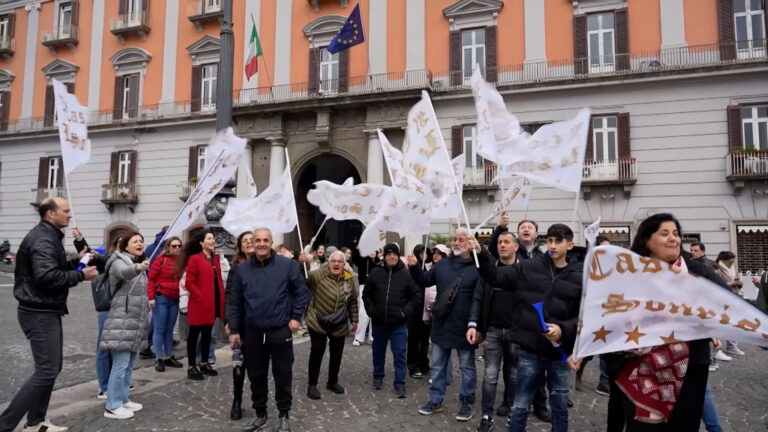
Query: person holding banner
pixel 43 277
pixel 455 278
pixel 557 283
pixel 269 296
pixel 659 237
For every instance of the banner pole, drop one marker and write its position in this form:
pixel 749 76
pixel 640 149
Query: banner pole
pixel 293 197
pixel 450 167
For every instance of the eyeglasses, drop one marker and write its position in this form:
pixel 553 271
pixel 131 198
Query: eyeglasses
pixel 336 261
pixel 175 246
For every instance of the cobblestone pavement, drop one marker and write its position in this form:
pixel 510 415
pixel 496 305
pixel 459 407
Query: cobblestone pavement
pixel 172 403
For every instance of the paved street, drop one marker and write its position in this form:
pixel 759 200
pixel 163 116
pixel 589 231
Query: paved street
pixel 173 403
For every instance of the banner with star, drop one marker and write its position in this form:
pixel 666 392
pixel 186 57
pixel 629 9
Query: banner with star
pixel 351 33
pixel 73 128
pixel 632 301
pixel 229 148
pixel 274 208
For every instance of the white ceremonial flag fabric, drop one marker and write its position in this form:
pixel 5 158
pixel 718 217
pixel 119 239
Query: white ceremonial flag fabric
pixel 274 208
pixel 446 201
pixel 555 154
pixel 499 136
pixel 348 200
pixel 516 196
pixel 217 175
pixel 591 232
pixel 634 302
pixel 252 190
pixel 213 149
pixel 73 128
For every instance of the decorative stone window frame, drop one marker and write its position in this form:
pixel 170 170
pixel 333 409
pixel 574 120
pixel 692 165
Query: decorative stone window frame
pixel 6 78
pixel 322 30
pixel 316 4
pixel 131 60
pixel 593 6
pixel 205 50
pixel 62 70
pixel 469 14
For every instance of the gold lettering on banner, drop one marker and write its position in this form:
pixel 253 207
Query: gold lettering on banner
pixel 366 191
pixel 628 266
pixel 724 317
pixel 486 123
pixel 419 171
pixel 706 313
pixel 420 120
pixel 748 325
pixel 651 265
pixel 573 159
pixel 545 165
pixel 655 306
pixel 356 208
pixel 765 335
pixel 673 308
pixel 372 210
pixel 382 235
pixel 615 303
pixel 432 145
pixel 596 272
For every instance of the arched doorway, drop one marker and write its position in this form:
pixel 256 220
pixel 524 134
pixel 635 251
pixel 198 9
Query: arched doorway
pixel 335 169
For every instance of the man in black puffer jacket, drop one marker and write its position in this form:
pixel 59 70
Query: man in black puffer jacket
pixel 43 278
pixel 390 296
pixel 556 283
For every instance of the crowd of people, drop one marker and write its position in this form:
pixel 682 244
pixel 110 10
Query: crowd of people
pixel 425 304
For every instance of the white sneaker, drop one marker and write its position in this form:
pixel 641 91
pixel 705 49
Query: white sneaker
pixel 721 356
pixel 45 426
pixel 713 367
pixel 355 343
pixel 133 406
pixel 119 413
pixel 735 351
pixel 101 395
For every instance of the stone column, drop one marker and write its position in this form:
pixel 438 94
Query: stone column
pixel 276 168
pixel 375 158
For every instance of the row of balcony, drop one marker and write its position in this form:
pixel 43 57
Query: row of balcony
pixel 111 194
pixel 668 60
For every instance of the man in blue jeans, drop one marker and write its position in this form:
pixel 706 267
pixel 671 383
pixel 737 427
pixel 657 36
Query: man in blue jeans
pixel 455 278
pixel 556 283
pixel 390 297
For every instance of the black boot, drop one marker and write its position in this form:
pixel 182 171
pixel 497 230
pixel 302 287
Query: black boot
pixel 236 413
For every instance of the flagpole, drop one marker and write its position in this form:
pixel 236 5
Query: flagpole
pixel 312 240
pixel 293 197
pixel 69 195
pixel 453 174
pixel 575 213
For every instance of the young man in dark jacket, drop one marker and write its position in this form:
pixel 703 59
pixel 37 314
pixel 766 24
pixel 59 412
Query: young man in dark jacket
pixel 269 297
pixel 556 283
pixel 390 296
pixel 492 320
pixel 449 330
pixel 43 277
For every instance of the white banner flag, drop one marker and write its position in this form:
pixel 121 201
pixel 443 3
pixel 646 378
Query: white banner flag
pixel 634 302
pixel 348 200
pixel 591 232
pixel 446 202
pixel 213 149
pixel 555 155
pixel 499 136
pixel 517 196
pixel 274 208
pixel 424 152
pixel 218 173
pixel 73 128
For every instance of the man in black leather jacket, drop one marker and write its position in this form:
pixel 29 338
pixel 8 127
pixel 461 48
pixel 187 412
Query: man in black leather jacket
pixel 42 281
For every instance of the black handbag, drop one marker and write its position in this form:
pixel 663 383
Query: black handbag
pixel 444 303
pixel 336 318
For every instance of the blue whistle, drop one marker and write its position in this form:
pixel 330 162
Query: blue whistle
pixel 544 327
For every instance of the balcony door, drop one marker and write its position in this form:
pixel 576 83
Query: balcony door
pixel 749 25
pixel 604 139
pixel 600 33
pixel 329 72
pixel 65 20
pixel 133 17
pixel 212 6
pixel 474 164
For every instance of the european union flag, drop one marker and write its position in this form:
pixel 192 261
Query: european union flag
pixel 350 34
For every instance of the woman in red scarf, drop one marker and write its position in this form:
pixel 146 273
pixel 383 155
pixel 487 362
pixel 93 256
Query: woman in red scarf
pixel 643 405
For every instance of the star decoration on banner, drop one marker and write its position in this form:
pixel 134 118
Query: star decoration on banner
pixel 634 335
pixel 670 339
pixel 601 334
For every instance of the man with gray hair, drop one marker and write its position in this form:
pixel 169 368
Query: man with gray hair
pixel 455 278
pixel 269 297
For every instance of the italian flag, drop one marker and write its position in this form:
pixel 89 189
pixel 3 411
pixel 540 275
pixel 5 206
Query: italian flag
pixel 254 51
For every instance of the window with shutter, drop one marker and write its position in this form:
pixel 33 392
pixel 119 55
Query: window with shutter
pixel 600 42
pixel 329 72
pixel 196 93
pixel 208 87
pixel 42 174
pixel 734 128
pixel 725 20
pixel 201 164
pixel 491 60
pixel 55 172
pixel 749 27
pixel 49 105
pixel 117 107
pixel 472 52
pixel 344 71
pixel 754 120
pixel 5 107
pixel 580 51
pixel 134 158
pixel 192 164
pixel 124 167
pixel 455 57
pixel 114 162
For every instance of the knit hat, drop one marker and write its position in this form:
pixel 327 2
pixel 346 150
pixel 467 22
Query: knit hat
pixel 392 248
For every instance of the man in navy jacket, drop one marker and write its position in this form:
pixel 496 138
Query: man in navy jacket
pixel 269 297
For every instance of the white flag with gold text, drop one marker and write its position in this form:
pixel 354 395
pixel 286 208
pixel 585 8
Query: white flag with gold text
pixel 73 128
pixel 348 200
pixel 634 302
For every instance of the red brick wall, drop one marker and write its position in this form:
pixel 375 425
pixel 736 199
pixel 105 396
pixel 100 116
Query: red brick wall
pixel 752 250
